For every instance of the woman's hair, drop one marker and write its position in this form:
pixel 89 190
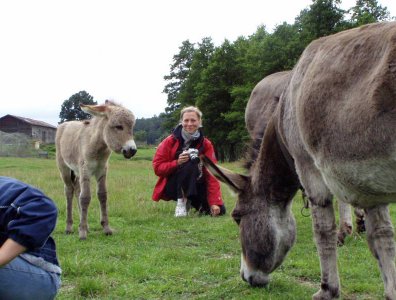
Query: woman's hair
pixel 191 109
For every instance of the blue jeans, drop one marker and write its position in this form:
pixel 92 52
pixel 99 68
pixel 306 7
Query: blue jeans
pixel 20 280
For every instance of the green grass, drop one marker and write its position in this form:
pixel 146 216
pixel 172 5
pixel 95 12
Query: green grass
pixel 153 255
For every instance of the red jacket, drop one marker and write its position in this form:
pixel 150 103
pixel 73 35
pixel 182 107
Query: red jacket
pixel 164 164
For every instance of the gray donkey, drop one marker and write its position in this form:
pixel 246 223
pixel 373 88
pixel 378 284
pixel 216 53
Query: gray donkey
pixel 333 132
pixel 259 110
pixel 82 151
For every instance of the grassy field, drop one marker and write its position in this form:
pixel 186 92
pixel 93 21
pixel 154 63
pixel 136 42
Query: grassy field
pixel 153 255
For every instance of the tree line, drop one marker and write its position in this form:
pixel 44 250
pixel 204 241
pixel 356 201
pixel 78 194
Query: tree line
pixel 219 79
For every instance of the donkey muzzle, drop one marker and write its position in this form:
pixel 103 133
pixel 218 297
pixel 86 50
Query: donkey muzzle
pixel 255 278
pixel 129 149
pixel 128 153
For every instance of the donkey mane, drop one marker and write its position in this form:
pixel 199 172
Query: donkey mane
pixel 252 152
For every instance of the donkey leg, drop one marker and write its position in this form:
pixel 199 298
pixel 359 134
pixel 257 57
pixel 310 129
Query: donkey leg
pixel 326 242
pixel 359 218
pixel 68 177
pixel 85 199
pixel 345 224
pixel 324 227
pixel 381 243
pixel 69 192
pixel 102 196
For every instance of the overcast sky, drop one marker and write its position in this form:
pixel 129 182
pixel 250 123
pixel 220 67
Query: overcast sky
pixel 115 49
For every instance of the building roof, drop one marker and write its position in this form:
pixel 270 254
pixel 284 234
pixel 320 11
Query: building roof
pixel 32 122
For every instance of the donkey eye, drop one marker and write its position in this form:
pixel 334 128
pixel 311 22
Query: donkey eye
pixel 119 127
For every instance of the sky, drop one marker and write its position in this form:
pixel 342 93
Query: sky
pixel 115 49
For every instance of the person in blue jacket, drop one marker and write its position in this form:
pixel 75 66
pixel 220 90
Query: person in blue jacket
pixel 29 267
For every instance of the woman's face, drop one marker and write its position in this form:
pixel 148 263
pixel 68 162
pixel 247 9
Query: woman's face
pixel 190 122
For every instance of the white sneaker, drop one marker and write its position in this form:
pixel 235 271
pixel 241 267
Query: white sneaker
pixel 181 208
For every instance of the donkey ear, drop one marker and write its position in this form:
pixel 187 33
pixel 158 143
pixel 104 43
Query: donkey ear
pixel 235 181
pixel 95 110
pixel 109 102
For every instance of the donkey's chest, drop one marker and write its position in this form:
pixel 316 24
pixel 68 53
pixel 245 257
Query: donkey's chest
pixel 96 167
pixel 89 168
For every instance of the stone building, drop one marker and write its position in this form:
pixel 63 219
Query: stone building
pixel 36 130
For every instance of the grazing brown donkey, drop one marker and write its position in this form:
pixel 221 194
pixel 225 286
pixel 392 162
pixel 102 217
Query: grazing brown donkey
pixel 82 151
pixel 259 110
pixel 334 131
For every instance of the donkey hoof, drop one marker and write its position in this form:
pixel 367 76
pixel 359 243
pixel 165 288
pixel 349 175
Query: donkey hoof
pixel 361 227
pixel 68 231
pixel 108 231
pixel 326 294
pixel 340 240
pixel 83 235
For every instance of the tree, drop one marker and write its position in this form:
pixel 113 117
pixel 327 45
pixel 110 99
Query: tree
pixel 368 11
pixel 179 71
pixel 200 61
pixel 71 110
pixel 184 76
pixel 178 74
pixel 270 53
pixel 149 130
pixel 254 54
pixel 140 136
pixel 214 97
pixel 324 17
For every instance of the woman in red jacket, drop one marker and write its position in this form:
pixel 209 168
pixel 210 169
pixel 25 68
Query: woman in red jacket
pixel 182 176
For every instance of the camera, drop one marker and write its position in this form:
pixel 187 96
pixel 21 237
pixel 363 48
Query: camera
pixel 193 154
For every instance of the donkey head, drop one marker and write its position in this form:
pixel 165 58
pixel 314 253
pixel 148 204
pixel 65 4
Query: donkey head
pixel 267 228
pixel 118 129
pixel 266 223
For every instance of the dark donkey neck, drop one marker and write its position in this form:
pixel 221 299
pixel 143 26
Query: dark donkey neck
pixel 274 173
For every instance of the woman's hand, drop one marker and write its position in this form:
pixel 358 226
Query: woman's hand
pixel 215 210
pixel 9 250
pixel 183 158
